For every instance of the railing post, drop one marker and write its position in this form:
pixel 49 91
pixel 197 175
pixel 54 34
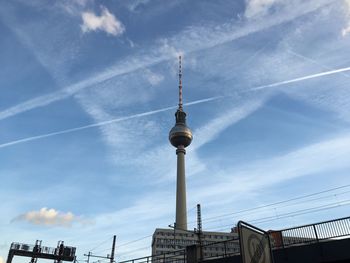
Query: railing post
pixel 225 248
pixel 314 227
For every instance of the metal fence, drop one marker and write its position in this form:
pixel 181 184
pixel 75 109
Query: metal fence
pixel 331 229
pixel 208 250
pixel 177 256
pixel 219 249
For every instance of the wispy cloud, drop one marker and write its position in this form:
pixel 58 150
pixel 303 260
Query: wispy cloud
pixel 246 178
pixel 73 7
pixel 346 29
pixel 233 115
pixel 102 123
pixel 322 157
pixel 153 78
pixel 212 129
pixel 135 4
pixel 48 217
pixel 206 133
pixel 258 7
pixel 106 22
pixel 192 39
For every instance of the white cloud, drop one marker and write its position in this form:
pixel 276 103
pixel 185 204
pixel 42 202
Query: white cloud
pixel 73 7
pixel 2 260
pixel 258 7
pixel 346 30
pixel 325 156
pixel 213 129
pixel 105 22
pixel 136 4
pixel 48 217
pixel 153 78
pixel 193 39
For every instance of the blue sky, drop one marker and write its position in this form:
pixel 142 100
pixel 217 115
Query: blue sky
pixel 88 95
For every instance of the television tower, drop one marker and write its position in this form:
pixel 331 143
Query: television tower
pixel 180 136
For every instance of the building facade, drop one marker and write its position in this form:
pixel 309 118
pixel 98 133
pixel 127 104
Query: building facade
pixel 213 244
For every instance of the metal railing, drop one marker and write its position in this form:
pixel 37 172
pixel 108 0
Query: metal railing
pixel 209 250
pixel 177 256
pixel 331 229
pixel 220 249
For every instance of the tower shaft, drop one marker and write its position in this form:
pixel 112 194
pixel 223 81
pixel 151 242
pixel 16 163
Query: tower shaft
pixel 181 210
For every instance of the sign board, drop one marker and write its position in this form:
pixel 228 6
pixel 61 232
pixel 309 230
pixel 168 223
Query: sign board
pixel 254 244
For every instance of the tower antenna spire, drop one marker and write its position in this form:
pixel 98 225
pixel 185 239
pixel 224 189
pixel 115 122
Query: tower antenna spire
pixel 180 84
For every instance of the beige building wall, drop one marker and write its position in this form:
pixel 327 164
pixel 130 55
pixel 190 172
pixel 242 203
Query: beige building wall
pixel 168 240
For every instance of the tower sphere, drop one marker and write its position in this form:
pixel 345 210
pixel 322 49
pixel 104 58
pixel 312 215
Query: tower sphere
pixel 180 134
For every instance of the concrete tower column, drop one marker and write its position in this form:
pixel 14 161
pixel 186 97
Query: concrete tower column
pixel 181 210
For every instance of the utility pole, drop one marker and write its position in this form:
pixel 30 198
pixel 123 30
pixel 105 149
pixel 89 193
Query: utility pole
pixel 111 258
pixel 88 255
pixel 174 227
pixel 199 230
pixel 113 248
pixel 94 256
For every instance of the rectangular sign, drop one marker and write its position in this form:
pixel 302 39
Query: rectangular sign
pixel 254 244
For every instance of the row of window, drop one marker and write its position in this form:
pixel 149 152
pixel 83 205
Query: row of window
pixel 217 249
pixel 177 234
pixel 210 236
pixel 188 242
pixel 177 241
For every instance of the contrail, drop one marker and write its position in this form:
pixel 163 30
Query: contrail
pixel 326 73
pixel 313 61
pixel 222 35
pixel 276 84
pixel 37 137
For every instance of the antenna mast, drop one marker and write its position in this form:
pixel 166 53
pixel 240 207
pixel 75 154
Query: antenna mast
pixel 180 84
pixel 199 229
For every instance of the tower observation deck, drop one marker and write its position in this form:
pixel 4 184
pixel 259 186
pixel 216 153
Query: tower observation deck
pixel 180 136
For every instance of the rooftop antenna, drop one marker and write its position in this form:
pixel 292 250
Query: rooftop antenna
pixel 180 84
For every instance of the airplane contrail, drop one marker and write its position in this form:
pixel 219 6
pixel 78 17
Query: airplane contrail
pixel 312 76
pixel 147 113
pixel 276 84
pixel 222 35
pixel 313 61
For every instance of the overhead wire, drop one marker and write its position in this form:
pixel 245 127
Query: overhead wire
pixel 275 203
pixel 263 219
pixel 303 211
pixel 288 205
pixel 292 214
pixel 134 241
pixel 100 244
pixel 131 251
